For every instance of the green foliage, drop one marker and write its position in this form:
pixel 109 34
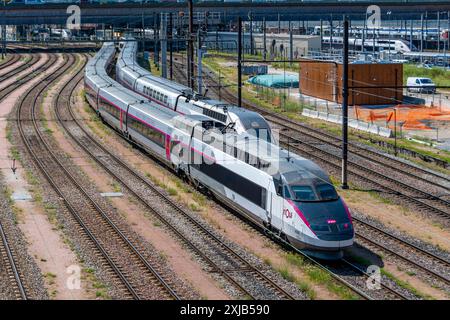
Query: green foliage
pixel 440 76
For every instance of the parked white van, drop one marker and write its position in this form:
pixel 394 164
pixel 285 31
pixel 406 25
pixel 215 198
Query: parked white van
pixel 422 85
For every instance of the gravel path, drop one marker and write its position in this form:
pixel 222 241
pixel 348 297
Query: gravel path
pixel 31 274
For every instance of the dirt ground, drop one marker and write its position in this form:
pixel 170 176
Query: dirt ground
pixel 46 243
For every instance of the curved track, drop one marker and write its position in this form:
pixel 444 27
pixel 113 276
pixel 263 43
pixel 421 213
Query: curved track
pixel 24 79
pixel 124 258
pixel 10 60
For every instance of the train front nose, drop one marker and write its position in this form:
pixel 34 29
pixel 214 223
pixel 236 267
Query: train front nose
pixel 329 220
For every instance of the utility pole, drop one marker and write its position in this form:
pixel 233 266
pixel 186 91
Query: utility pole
pixel 345 109
pixel 363 40
pixel 163 37
pixel 170 38
pixel 321 35
pixel 264 39
pixel 143 32
pixel 421 35
pixel 251 34
pixel 426 30
pixel 156 39
pixel 439 31
pixel 411 33
pixel 191 46
pixel 279 23
pixel 331 33
pixel 239 66
pixel 448 33
pixel 199 62
pixel 4 30
pixel 291 44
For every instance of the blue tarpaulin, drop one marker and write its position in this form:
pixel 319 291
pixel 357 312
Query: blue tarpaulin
pixel 276 80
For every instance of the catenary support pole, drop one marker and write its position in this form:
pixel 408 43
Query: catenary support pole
pixel 239 66
pixel 191 44
pixel 345 109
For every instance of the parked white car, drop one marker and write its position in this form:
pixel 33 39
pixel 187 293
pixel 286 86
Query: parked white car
pixel 422 85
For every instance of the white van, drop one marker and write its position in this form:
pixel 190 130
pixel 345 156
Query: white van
pixel 422 85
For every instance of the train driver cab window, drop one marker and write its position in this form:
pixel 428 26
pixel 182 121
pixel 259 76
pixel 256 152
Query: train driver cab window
pixel 326 192
pixel 304 193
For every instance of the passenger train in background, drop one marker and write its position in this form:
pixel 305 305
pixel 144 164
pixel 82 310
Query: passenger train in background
pixel 182 99
pixel 395 46
pixel 276 189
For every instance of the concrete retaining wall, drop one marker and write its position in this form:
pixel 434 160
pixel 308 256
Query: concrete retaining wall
pixel 356 124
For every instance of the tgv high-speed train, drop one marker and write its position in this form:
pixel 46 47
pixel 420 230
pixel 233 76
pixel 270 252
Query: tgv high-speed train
pixel 278 190
pixel 182 99
pixel 401 46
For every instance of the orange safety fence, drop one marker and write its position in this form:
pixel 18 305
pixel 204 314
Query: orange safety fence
pixel 411 116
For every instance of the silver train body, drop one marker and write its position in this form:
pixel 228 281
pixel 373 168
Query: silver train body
pixel 281 191
pixel 182 99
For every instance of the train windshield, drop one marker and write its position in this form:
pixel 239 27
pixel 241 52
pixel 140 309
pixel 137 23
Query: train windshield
pixel 321 192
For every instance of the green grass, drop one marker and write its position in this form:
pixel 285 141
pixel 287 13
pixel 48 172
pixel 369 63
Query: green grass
pixel 321 277
pixel 50 277
pixel 194 207
pixel 440 76
pixel 116 187
pixel 405 285
pixel 172 191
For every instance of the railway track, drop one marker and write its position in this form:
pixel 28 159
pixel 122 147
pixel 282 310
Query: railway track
pixel 318 143
pixel 7 256
pixel 33 59
pixel 7 90
pixel 437 274
pixel 123 258
pixel 413 255
pixel 10 60
pixel 226 261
